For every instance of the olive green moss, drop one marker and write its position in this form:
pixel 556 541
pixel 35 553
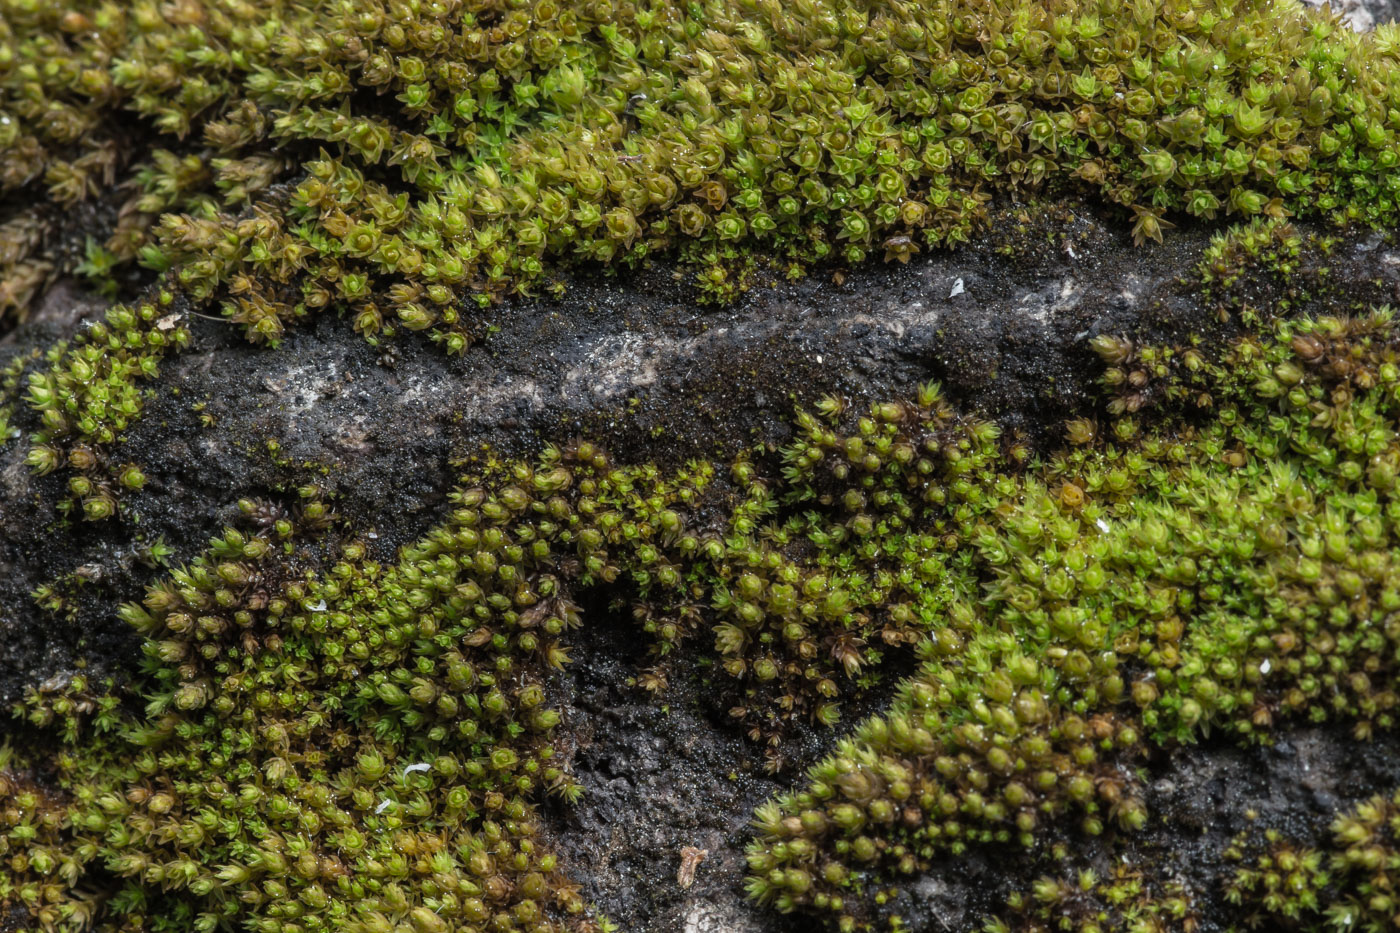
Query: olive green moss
pixel 91 392
pixel 393 159
pixel 1127 901
pixel 1231 573
pixel 398 163
pixel 1271 242
pixel 1348 882
pixel 9 396
pixel 349 745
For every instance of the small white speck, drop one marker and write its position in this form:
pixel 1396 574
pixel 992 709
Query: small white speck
pixel 957 289
pixel 420 766
pixel 1265 667
pixel 383 805
pixel 373 536
pixel 319 607
pixel 1103 525
pixel 819 357
pixel 1069 248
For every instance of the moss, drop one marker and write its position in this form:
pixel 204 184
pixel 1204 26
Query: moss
pixel 1346 881
pixel 1164 579
pixel 354 715
pixel 91 393
pixel 397 160
pixel 1126 901
pixel 1270 241
pixel 339 747
pixel 35 854
pixel 9 395
pixel 325 742
pixel 403 163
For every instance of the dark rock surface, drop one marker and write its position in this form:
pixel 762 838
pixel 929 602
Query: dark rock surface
pixel 635 363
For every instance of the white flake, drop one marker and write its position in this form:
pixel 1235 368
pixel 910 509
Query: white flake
pixel 957 288
pixel 419 766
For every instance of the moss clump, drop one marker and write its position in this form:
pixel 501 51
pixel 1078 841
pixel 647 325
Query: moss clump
pixel 1126 902
pixel 367 745
pixel 328 742
pixel 1346 882
pixel 1232 574
pixel 1271 242
pixel 396 162
pixel 9 395
pixel 393 159
pixel 335 752
pixel 1281 883
pixel 40 864
pixel 91 392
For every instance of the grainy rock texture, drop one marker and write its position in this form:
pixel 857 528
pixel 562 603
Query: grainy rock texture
pixel 1362 14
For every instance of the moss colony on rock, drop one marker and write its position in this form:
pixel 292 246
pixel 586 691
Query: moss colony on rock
pixel 343 744
pixel 391 159
pixel 1132 590
pixel 366 747
pixel 395 162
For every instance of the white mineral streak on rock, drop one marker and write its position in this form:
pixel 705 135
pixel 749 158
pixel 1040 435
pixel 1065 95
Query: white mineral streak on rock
pixel 1360 15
